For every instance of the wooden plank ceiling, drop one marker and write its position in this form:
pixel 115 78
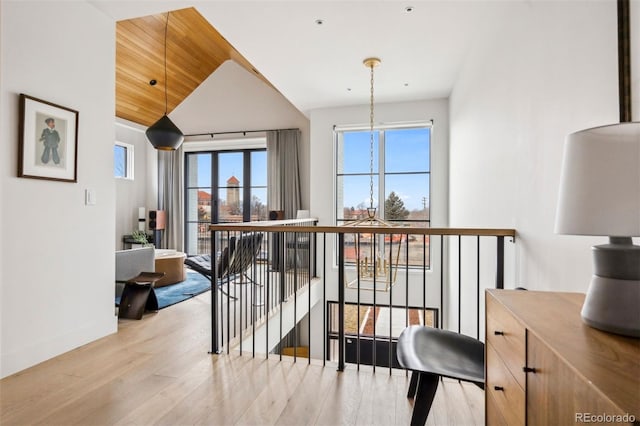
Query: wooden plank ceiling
pixel 194 50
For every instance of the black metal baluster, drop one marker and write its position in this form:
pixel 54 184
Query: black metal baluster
pixel 341 283
pixel 500 263
pixel 390 282
pixel 478 287
pixel 374 237
pixel 308 239
pixel 267 308
pixel 214 296
pixel 459 282
pixel 325 333
pixel 358 342
pixel 441 323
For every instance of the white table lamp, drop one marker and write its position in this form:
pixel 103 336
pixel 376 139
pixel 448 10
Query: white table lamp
pixel 600 195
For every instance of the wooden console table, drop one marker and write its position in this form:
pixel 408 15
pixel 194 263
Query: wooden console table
pixel 544 366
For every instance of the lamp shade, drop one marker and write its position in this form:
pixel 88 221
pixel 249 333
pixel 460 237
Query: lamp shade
pixel 600 182
pixel 164 135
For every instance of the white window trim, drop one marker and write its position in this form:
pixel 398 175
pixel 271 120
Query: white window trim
pixel 129 173
pixel 339 130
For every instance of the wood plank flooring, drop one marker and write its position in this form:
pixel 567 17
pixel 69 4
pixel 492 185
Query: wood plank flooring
pixel 157 371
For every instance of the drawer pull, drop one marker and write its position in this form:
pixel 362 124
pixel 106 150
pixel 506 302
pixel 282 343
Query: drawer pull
pixel 529 369
pixel 498 388
pixel 498 333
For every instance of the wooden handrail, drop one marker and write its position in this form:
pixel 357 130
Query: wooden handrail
pixel 346 229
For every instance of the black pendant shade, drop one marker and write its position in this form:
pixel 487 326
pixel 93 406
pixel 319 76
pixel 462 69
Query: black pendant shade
pixel 164 135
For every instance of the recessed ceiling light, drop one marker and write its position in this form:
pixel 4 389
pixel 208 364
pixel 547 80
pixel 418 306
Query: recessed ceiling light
pixel 348 89
pixel 408 9
pixel 319 22
pixel 406 84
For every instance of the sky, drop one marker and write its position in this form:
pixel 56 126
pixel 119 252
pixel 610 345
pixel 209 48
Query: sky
pixel 406 151
pixel 231 164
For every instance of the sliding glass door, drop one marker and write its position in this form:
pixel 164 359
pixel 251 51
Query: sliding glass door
pixel 222 187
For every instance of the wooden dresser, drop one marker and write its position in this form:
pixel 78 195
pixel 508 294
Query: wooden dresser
pixel 544 366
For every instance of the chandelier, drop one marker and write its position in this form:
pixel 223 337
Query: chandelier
pixel 376 254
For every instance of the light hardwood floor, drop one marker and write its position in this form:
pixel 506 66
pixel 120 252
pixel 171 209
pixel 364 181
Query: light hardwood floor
pixel 157 371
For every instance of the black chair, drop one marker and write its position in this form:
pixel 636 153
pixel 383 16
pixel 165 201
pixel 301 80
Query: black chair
pixel 233 263
pixel 431 353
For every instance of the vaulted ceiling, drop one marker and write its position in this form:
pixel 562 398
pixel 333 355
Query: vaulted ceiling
pixel 194 50
pixel 311 51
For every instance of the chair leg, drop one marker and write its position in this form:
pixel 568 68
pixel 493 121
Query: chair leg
pixel 134 300
pixel 413 384
pixel 225 293
pixel 427 386
pixel 152 301
pixel 250 280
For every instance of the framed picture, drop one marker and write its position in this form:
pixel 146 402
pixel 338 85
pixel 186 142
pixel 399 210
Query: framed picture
pixel 48 141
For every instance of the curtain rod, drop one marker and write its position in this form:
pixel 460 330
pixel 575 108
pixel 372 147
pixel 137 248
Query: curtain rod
pixel 244 132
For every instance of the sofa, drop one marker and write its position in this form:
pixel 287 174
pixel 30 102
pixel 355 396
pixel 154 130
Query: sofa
pixel 135 279
pixel 129 264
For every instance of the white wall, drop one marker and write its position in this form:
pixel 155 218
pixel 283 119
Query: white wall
pixel 550 70
pixel 57 277
pixel 142 191
pixel 232 99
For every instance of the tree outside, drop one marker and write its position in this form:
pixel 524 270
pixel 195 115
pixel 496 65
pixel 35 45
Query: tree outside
pixel 394 208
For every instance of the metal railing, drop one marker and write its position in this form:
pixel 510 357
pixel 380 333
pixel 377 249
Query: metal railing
pixel 276 266
pixel 311 288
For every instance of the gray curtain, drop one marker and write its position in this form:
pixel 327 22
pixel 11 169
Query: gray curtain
pixel 170 197
pixel 283 176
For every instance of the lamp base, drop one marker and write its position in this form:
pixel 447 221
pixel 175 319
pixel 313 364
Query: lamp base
pixel 613 305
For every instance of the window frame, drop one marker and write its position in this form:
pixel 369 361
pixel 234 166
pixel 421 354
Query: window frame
pixel 216 186
pixel 381 173
pixel 128 159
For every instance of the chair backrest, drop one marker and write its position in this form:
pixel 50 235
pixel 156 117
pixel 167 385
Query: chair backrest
pixel 240 254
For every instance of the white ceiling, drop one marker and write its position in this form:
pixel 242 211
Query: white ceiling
pixel 313 65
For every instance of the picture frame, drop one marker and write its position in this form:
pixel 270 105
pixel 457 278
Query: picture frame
pixel 48 141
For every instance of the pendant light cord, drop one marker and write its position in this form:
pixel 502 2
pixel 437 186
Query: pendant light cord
pixel 371 145
pixel 166 30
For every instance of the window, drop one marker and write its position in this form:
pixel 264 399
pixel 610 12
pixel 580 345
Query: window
pixel 223 187
pixel 401 177
pixel 123 160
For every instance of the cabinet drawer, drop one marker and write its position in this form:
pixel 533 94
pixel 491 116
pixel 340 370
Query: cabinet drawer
pixel 492 413
pixel 502 388
pixel 507 336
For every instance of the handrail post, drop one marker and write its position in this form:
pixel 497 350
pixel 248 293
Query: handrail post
pixel 500 262
pixel 312 246
pixel 340 302
pixel 214 297
pixel 282 252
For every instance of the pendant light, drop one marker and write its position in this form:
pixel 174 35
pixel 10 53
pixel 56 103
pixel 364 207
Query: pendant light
pixel 377 254
pixel 371 63
pixel 163 134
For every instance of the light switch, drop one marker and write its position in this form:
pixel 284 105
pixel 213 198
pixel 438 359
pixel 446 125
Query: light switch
pixel 90 197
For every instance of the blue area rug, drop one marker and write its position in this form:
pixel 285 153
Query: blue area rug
pixel 179 292
pixel 175 293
